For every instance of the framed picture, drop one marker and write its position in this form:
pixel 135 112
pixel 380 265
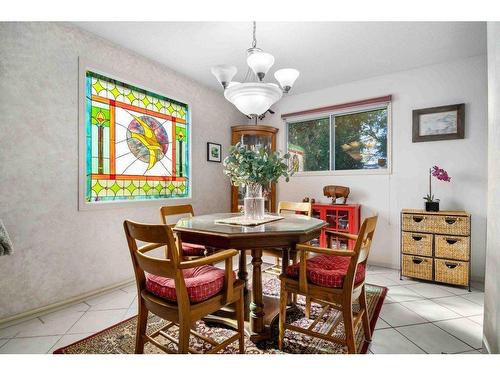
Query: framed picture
pixel 439 123
pixel 134 142
pixel 214 152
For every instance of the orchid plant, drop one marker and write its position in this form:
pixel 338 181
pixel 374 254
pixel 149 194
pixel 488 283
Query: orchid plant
pixel 441 175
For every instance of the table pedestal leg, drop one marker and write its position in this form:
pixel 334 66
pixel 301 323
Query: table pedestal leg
pixel 257 305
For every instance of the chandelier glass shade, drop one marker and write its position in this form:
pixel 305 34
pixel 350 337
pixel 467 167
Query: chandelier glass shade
pixel 255 98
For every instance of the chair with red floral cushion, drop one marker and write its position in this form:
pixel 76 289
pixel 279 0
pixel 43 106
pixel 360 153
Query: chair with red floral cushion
pixel 180 291
pixel 335 279
pixel 189 251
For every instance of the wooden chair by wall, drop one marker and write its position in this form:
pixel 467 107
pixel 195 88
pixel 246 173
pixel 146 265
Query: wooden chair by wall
pixel 189 251
pixel 173 290
pixel 302 208
pixel 337 291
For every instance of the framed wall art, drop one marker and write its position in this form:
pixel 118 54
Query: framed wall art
pixel 214 152
pixel 136 144
pixel 439 123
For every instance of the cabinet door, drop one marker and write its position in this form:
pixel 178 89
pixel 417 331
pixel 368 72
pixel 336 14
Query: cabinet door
pixel 338 220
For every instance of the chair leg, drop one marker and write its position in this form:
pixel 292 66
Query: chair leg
pixel 142 321
pixel 294 257
pixel 184 333
pixel 240 316
pixel 307 311
pixel 282 317
pixel 366 320
pixel 349 328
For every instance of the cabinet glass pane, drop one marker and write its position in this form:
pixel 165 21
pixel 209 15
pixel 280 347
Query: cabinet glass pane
pixel 256 140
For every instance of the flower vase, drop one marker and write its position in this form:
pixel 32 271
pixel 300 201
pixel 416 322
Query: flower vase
pixel 254 202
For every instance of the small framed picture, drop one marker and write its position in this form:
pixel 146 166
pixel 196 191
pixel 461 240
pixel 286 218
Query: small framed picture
pixel 214 152
pixel 439 123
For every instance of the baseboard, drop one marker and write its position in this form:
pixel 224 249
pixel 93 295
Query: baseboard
pixel 382 264
pixel 30 314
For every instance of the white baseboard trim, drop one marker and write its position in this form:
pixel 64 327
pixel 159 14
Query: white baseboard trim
pixel 30 314
pixel 382 264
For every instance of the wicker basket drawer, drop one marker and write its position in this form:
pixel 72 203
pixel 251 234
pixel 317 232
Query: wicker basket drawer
pixel 451 271
pixel 454 225
pixel 417 243
pixel 418 267
pixel 452 247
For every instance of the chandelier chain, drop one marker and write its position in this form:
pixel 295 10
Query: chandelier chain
pixel 254 41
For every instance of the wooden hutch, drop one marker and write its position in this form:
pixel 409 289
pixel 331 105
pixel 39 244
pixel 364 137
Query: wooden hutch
pixel 253 135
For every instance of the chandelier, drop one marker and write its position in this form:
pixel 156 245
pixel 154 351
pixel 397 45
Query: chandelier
pixel 255 97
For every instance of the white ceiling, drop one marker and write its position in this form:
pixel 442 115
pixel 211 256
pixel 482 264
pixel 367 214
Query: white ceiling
pixel 326 53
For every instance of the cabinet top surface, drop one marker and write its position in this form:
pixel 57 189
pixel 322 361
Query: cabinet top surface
pixel 337 206
pixel 424 212
pixel 253 128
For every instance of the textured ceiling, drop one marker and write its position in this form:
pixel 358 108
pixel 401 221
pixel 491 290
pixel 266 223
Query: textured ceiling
pixel 326 53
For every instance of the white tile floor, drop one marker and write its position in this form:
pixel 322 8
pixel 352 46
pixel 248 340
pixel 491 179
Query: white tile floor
pixel 416 317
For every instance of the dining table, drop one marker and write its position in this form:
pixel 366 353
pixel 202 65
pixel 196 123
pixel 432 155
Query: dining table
pixel 284 232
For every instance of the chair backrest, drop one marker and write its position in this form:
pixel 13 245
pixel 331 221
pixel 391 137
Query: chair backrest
pixel 304 208
pixel 155 236
pixel 361 248
pixel 182 209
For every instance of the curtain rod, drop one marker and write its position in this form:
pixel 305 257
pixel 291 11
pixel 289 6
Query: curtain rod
pixel 358 103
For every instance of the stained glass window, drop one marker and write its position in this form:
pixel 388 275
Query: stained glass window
pixel 137 143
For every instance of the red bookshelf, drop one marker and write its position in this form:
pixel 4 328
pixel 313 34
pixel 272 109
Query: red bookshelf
pixel 341 218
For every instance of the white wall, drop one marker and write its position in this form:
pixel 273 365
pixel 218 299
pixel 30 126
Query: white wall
pixel 60 252
pixel 461 81
pixel 492 280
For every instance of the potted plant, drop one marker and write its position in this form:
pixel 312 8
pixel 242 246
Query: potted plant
pixel 431 203
pixel 255 168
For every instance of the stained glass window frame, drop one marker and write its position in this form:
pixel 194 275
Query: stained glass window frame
pixel 178 186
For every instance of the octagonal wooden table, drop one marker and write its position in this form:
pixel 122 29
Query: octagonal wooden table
pixel 284 234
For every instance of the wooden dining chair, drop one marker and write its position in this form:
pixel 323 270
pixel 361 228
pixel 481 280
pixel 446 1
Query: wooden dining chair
pixel 335 279
pixel 189 250
pixel 181 292
pixel 301 208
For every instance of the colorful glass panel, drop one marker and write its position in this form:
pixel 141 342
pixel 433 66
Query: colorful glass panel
pixel 137 144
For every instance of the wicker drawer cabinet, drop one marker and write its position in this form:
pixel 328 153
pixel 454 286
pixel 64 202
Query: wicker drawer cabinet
pixel 435 246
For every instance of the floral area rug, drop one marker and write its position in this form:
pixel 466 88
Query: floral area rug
pixel 120 338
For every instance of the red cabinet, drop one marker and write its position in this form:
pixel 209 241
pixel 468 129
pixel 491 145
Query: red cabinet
pixel 340 218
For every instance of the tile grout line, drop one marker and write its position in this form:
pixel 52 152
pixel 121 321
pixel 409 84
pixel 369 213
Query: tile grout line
pixel 410 340
pixel 451 334
pixel 432 322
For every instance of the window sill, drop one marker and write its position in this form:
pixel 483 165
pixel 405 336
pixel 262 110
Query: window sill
pixel 363 172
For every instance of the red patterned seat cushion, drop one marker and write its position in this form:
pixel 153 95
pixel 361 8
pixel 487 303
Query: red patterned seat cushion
pixel 191 249
pixel 327 270
pixel 201 283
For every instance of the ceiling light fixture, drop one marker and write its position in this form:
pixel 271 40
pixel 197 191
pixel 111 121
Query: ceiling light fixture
pixel 255 98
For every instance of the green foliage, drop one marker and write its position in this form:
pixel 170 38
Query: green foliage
pixel 430 198
pixel 314 137
pixel 248 166
pixel 360 139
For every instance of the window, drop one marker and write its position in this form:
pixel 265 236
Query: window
pixel 137 143
pixel 343 141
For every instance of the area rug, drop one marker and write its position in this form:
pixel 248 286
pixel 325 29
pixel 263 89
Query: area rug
pixel 120 338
